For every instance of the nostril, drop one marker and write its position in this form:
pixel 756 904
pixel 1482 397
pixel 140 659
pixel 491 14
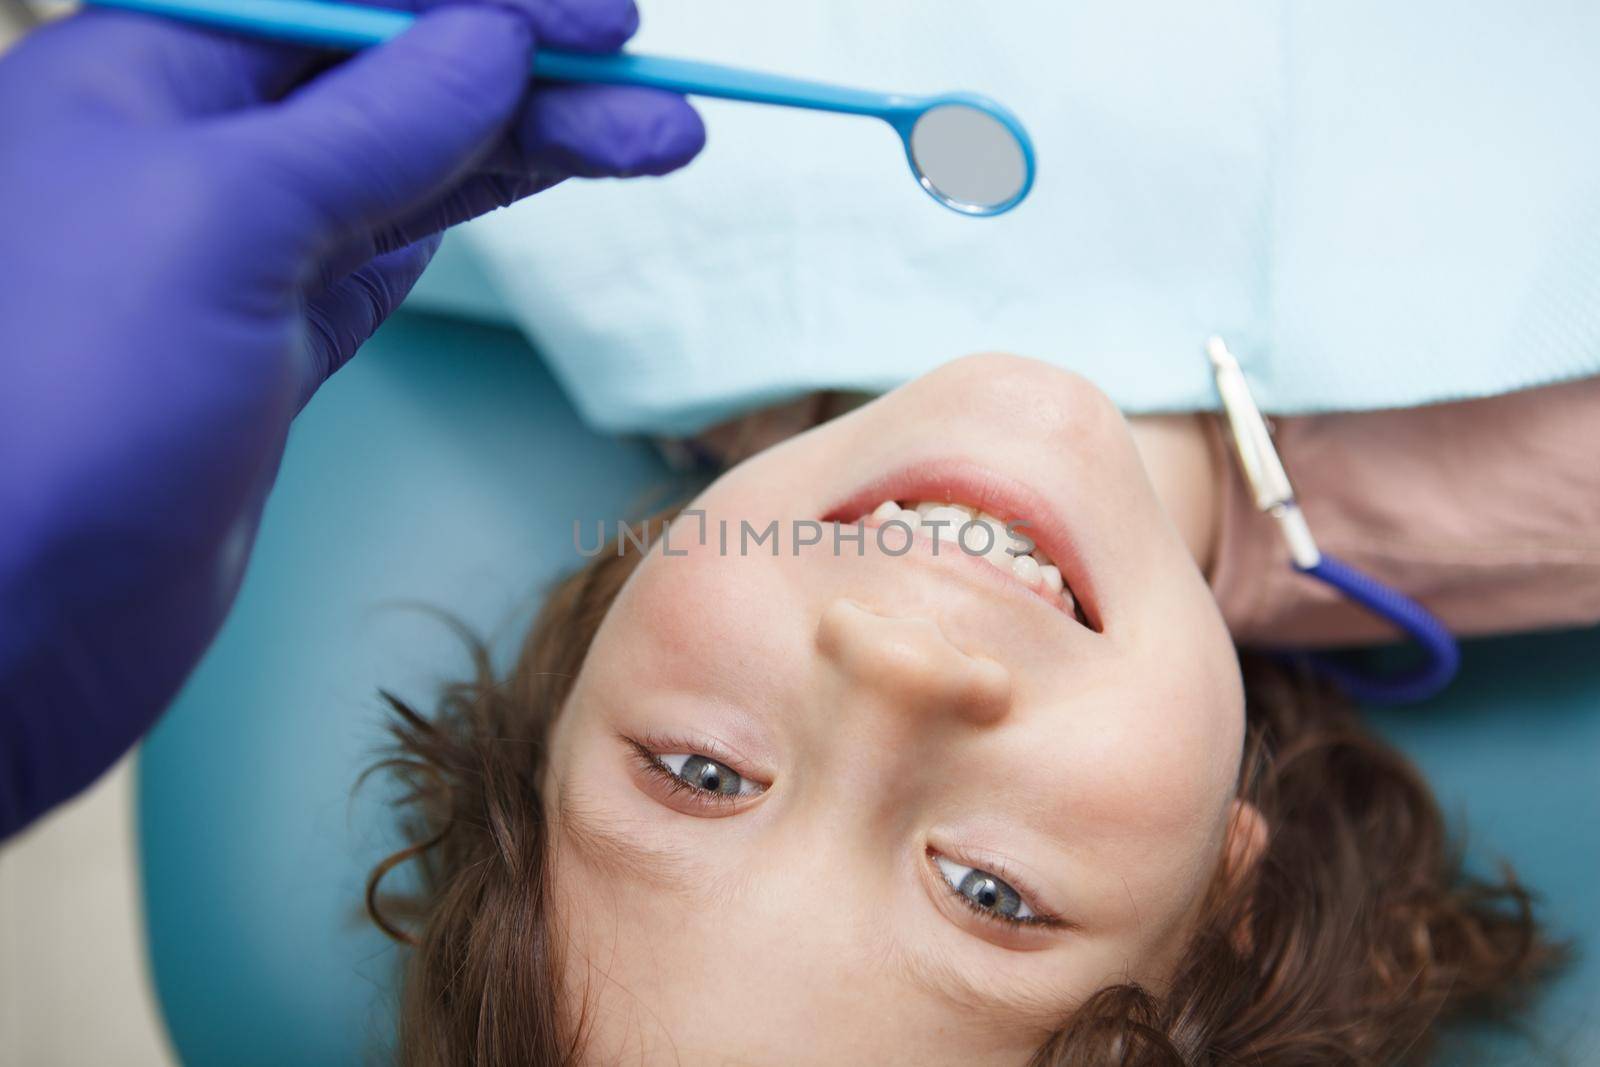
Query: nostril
pixel 911 663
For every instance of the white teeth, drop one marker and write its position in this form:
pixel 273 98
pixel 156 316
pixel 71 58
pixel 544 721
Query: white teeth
pixel 1050 577
pixel 1019 544
pixel 999 540
pixel 957 526
pixel 952 518
pixel 1022 544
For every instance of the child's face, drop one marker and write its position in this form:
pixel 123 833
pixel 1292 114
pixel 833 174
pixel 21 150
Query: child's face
pixel 876 725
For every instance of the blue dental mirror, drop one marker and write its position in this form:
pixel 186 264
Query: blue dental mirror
pixel 968 152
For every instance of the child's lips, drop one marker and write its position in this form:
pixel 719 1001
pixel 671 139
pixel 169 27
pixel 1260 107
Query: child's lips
pixel 961 482
pixel 944 547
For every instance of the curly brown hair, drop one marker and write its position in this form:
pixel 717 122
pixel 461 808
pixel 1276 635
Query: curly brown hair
pixel 1353 936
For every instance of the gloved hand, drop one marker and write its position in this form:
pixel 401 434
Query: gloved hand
pixel 195 231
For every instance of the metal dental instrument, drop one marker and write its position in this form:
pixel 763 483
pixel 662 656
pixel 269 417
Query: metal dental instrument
pixel 968 152
pixel 1274 495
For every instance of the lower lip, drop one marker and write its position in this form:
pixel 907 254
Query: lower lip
pixel 963 482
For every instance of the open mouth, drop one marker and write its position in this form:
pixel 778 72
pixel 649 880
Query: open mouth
pixel 980 535
pixel 965 511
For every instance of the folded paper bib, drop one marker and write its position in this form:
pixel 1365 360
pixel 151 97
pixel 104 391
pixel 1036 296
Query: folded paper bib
pixel 1377 204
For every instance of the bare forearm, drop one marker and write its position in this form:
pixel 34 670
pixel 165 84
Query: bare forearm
pixel 1487 511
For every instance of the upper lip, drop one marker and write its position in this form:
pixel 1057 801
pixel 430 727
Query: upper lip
pixel 967 483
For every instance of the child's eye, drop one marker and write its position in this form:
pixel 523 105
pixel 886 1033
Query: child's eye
pixel 984 892
pixel 707 775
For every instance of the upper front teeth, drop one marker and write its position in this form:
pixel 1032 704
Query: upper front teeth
pixel 956 524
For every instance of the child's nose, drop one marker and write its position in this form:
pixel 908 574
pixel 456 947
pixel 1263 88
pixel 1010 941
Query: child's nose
pixel 910 663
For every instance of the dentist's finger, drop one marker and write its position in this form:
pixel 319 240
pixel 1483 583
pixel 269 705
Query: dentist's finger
pixel 606 131
pixel 591 131
pixel 346 314
pixel 137 67
pixel 373 140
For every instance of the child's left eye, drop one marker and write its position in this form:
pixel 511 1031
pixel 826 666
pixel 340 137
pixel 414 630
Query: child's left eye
pixel 707 775
pixel 984 892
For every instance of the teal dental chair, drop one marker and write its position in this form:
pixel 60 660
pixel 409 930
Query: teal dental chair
pixel 444 468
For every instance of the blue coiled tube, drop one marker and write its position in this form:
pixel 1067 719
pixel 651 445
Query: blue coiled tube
pixel 1442 656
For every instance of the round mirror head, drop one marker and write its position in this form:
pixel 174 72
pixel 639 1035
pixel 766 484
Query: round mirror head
pixel 970 159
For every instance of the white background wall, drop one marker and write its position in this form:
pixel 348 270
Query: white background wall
pixel 73 984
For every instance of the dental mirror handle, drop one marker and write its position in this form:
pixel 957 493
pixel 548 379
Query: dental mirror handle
pixel 350 27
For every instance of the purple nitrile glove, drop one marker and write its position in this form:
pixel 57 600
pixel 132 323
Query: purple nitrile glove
pixel 195 232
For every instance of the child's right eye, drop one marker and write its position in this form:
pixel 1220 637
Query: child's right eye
pixel 707 775
pixel 685 778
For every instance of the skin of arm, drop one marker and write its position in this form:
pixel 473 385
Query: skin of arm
pixel 1487 511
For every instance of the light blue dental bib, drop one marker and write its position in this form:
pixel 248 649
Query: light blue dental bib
pixel 1378 204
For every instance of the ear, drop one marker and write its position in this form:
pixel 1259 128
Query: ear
pixel 1246 843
